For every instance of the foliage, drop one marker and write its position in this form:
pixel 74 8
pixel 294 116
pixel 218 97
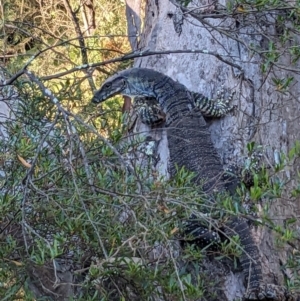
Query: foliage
pixel 47 189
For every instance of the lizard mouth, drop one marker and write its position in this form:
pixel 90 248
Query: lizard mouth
pixel 96 99
pixel 100 98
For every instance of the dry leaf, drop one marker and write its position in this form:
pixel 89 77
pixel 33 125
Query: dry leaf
pixel 24 162
pixel 174 230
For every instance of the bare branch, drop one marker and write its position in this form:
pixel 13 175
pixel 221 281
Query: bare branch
pixel 83 51
pixel 145 53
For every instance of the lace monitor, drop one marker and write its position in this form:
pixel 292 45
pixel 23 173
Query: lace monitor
pixel 190 145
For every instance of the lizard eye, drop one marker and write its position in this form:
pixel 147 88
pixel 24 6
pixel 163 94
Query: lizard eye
pixel 107 85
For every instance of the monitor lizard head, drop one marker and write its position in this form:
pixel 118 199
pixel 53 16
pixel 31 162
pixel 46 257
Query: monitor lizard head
pixel 130 82
pixel 111 87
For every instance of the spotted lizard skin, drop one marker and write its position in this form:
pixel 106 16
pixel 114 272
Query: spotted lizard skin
pixel 152 114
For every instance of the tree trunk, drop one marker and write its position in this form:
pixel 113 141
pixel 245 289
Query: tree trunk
pixel 262 114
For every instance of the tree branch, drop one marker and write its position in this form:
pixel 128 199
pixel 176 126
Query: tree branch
pixel 84 56
pixel 125 57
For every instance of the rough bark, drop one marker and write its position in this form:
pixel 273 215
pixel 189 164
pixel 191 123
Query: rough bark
pixel 263 115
